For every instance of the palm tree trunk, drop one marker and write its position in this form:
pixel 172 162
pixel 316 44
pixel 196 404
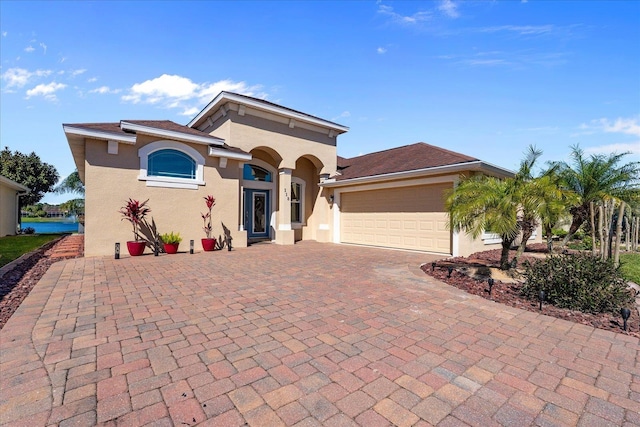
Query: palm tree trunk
pixel 549 234
pixel 504 256
pixel 616 254
pixel 526 234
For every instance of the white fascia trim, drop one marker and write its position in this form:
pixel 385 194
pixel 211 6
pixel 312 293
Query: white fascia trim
pixel 13 185
pixel 217 152
pixel 96 134
pixel 173 184
pixel 230 97
pixel 170 134
pixel 459 167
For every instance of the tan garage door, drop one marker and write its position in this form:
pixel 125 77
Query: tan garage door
pixel 403 217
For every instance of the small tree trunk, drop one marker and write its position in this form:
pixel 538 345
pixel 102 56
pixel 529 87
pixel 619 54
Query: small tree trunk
pixel 601 229
pixel 549 234
pixel 526 234
pixel 616 254
pixel 504 256
pixel 612 208
pixel 627 235
pixel 593 228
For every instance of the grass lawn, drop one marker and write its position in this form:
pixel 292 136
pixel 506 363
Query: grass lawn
pixel 13 247
pixel 631 266
pixel 38 219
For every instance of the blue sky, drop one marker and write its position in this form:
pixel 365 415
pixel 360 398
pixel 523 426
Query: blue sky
pixel 484 78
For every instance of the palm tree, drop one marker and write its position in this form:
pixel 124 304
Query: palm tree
pixel 482 203
pixel 71 184
pixel 595 178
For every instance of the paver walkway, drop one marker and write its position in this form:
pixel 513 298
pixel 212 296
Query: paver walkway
pixel 306 335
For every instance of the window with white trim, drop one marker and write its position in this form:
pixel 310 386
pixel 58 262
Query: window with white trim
pixel 171 164
pixel 297 201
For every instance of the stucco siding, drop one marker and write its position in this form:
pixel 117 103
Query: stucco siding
pixel 8 210
pixel 112 179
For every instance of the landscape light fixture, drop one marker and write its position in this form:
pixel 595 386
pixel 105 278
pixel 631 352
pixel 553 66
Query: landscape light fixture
pixel 491 282
pixel 450 270
pixel 542 295
pixel 625 313
pixel 229 243
pixel 191 247
pixel 117 256
pixel 156 250
pixel 433 266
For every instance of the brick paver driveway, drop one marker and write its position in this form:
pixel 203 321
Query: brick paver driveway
pixel 315 334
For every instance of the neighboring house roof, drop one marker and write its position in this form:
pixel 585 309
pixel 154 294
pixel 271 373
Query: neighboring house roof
pixel 12 184
pixel 260 104
pixel 407 161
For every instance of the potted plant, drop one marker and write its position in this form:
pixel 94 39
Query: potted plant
pixel 134 212
pixel 208 243
pixel 171 241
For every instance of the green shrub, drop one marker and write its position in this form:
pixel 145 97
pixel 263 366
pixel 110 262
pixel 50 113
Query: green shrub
pixel 581 245
pixel 578 282
pixel 559 232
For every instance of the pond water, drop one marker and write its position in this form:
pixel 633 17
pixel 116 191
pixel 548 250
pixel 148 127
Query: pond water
pixel 51 227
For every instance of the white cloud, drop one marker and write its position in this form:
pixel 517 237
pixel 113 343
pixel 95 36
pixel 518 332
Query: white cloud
pixel 628 126
pixel 92 80
pixel 449 8
pixel 400 19
pixel 104 90
pixel 29 49
pixel 4 34
pixel 633 148
pixel 381 50
pixel 173 91
pixel 75 73
pixel 46 90
pixel 18 77
pixel 523 30
pixel 44 47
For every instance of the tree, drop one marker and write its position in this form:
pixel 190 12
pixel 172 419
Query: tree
pixel 71 184
pixel 594 178
pixel 483 203
pixel 29 171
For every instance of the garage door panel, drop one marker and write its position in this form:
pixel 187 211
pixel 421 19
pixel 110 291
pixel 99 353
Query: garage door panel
pixel 406 218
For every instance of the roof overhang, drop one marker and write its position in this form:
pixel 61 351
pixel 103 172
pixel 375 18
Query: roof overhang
pixel 217 152
pixel 164 133
pixel 293 116
pixel 477 166
pixel 98 134
pixel 13 185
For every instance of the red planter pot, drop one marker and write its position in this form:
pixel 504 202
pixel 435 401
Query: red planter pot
pixel 136 248
pixel 171 248
pixel 209 244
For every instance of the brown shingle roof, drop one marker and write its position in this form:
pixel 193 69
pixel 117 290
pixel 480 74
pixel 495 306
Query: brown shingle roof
pixel 170 126
pixel 400 159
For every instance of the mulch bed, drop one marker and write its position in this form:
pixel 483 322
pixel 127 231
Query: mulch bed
pixel 509 293
pixel 16 284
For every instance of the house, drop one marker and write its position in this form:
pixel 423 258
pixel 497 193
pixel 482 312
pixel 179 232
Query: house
pixel 10 191
pixel 276 176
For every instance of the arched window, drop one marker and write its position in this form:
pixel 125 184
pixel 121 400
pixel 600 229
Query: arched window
pixel 171 164
pixel 256 173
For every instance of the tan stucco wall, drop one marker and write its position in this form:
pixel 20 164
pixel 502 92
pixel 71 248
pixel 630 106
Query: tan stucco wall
pixel 249 132
pixel 112 179
pixel 8 210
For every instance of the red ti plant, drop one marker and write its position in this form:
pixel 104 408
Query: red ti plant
pixel 134 212
pixel 206 218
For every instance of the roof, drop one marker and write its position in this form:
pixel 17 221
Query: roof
pixel 12 184
pixel 126 129
pixel 401 159
pixel 224 97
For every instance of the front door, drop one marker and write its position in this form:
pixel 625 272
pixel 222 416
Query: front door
pixel 256 213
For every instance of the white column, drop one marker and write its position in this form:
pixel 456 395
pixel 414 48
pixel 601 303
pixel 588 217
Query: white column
pixel 284 233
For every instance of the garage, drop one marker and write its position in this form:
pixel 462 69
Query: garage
pixel 411 217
